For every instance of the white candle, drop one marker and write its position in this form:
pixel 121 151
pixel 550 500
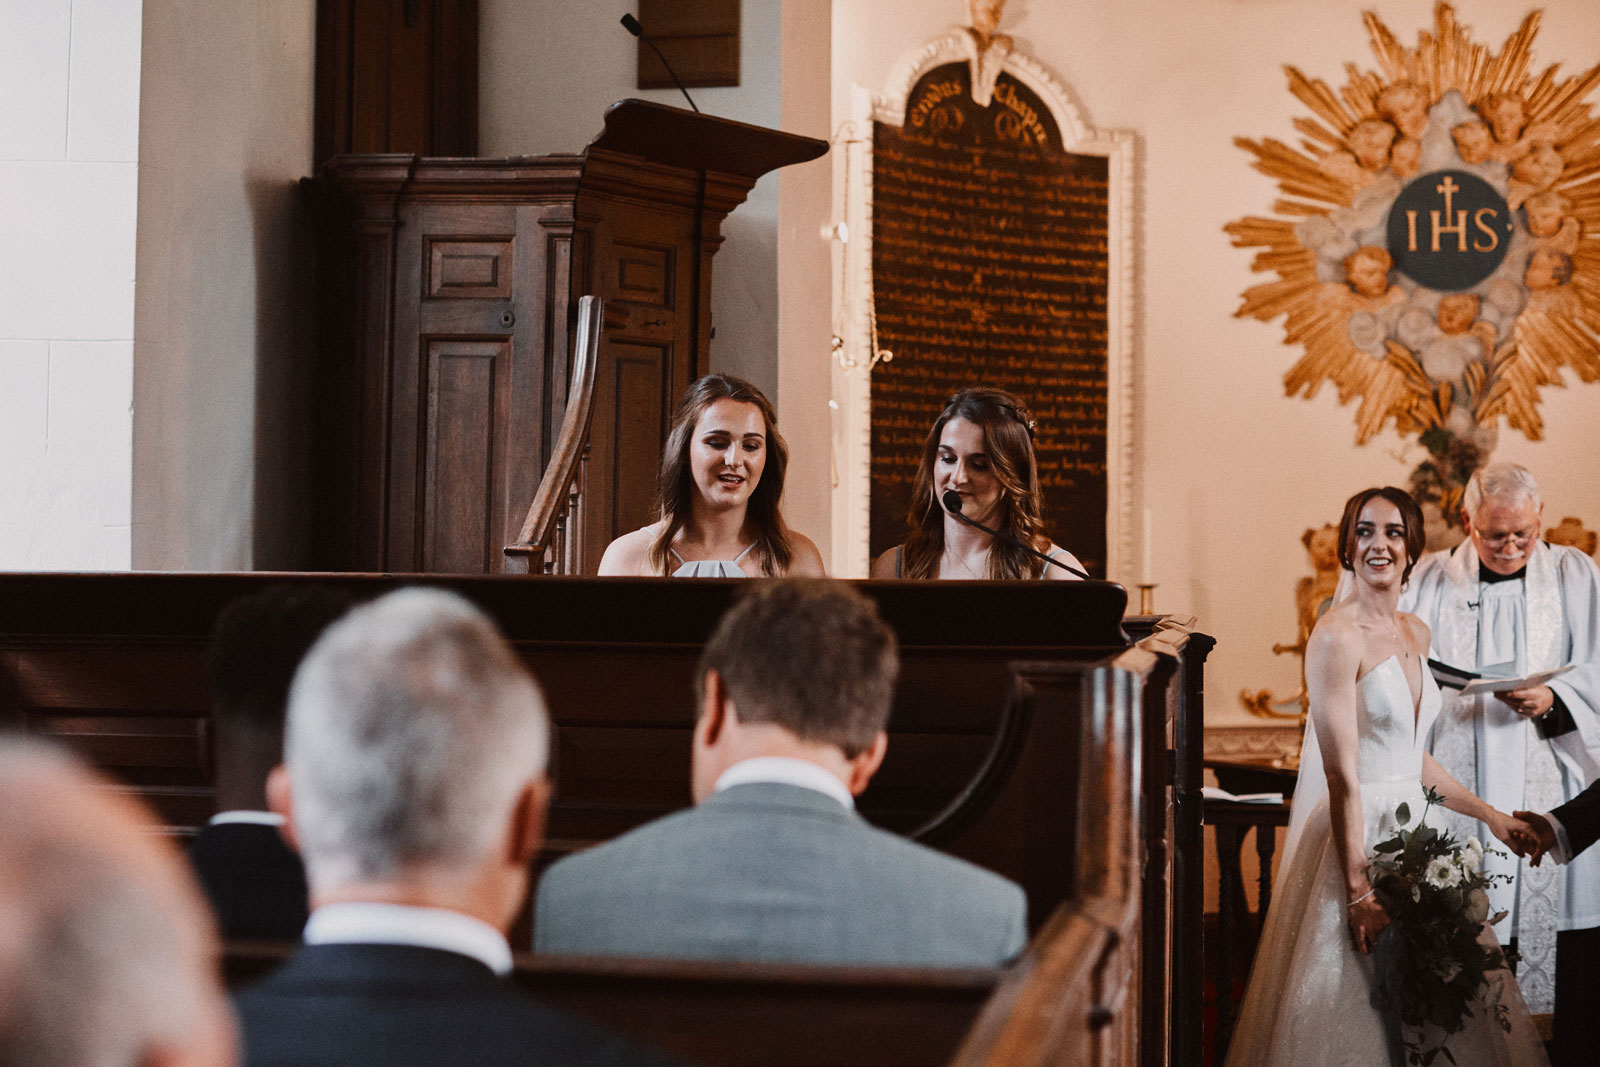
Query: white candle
pixel 1149 539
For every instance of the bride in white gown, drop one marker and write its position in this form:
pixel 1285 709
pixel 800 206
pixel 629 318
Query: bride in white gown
pixel 1309 1002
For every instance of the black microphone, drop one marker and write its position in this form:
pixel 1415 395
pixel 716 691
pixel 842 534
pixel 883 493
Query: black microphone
pixel 631 24
pixel 952 504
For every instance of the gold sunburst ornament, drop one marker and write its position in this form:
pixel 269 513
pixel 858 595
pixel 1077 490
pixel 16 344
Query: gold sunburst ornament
pixel 1438 245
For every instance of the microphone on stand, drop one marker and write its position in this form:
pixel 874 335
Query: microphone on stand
pixel 952 504
pixel 631 24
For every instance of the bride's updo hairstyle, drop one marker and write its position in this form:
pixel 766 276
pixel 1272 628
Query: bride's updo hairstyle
pixel 1410 517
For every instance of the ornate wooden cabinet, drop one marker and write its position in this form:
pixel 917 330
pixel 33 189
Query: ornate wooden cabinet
pixel 448 293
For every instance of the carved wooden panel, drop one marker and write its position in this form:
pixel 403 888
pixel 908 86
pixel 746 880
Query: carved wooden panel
pixel 632 385
pixel 464 269
pixel 467 409
pixel 644 275
pixel 467 400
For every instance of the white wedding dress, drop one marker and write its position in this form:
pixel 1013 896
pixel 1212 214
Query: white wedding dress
pixel 1309 1002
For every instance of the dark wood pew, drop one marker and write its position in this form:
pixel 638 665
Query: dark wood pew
pixel 1075 997
pixel 1172 885
pixel 1079 994
pixel 113 664
pixel 739 1013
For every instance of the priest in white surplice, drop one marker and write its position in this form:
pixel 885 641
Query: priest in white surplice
pixel 1505 597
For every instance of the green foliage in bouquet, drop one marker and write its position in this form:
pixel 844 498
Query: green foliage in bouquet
pixel 1430 964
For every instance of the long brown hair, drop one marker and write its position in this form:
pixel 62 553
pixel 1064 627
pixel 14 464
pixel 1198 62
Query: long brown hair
pixel 675 488
pixel 1008 441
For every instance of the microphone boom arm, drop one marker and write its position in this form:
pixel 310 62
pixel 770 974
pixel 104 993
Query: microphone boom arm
pixel 976 525
pixel 631 24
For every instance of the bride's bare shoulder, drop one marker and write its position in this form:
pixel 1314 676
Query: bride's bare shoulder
pixel 1336 634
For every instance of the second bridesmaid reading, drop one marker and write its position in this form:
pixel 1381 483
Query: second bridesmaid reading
pixel 721 491
pixel 981 448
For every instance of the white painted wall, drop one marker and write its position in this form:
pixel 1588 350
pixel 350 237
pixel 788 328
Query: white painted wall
pixel 222 316
pixel 1234 470
pixel 69 104
pixel 804 281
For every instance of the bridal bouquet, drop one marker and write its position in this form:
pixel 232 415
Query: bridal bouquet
pixel 1430 964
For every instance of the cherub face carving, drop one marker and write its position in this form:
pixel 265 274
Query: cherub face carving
pixel 1473 141
pixel 1367 270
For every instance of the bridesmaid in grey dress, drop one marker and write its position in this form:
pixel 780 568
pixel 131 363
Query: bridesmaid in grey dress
pixel 720 495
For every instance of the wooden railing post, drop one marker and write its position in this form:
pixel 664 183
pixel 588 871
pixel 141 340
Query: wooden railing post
pixel 543 546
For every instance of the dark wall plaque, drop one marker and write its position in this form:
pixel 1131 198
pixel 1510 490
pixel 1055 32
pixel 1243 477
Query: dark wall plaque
pixel 989 267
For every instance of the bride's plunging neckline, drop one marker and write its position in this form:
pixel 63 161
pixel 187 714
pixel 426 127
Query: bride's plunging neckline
pixel 1422 684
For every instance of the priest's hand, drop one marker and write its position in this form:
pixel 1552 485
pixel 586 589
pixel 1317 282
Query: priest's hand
pixel 1531 702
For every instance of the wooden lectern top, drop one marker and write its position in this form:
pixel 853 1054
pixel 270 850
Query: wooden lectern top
pixel 694 141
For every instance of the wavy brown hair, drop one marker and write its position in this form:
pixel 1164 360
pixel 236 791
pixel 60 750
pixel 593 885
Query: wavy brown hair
pixel 1410 518
pixel 1008 442
pixel 675 487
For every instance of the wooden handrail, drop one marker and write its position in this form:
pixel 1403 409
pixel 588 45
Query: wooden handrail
pixel 557 492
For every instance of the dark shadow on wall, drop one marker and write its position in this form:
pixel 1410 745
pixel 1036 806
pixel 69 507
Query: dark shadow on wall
pixel 285 368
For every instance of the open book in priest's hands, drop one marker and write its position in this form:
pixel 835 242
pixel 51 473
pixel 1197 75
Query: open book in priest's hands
pixel 1499 678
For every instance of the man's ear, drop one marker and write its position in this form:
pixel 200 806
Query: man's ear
pixel 528 819
pixel 866 763
pixel 280 799
pixel 713 711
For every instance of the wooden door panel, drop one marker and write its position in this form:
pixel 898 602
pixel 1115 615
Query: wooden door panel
pixel 466 402
pixel 633 389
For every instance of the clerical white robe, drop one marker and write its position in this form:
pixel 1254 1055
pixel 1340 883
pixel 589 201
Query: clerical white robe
pixel 1548 618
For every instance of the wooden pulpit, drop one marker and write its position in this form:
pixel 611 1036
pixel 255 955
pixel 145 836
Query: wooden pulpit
pixel 448 293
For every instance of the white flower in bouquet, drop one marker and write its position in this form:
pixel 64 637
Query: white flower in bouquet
pixel 1441 873
pixel 1472 853
pixel 1475 908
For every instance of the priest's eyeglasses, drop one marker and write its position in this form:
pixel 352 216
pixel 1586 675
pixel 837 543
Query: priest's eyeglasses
pixel 1499 540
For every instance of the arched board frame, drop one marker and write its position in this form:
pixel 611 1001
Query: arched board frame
pixel 853 372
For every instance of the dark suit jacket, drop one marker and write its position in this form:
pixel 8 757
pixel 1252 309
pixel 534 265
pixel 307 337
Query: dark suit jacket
pixel 255 882
pixel 1580 816
pixel 400 1006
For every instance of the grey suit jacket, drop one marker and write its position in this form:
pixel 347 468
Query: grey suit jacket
pixel 773 872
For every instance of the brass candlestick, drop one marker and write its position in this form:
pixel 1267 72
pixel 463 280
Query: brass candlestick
pixel 1147 598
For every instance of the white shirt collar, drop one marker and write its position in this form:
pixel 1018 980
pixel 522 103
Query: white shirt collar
pixel 785 770
pixel 249 818
pixel 356 922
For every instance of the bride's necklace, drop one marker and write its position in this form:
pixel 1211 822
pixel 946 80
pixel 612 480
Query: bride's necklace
pixel 1397 640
